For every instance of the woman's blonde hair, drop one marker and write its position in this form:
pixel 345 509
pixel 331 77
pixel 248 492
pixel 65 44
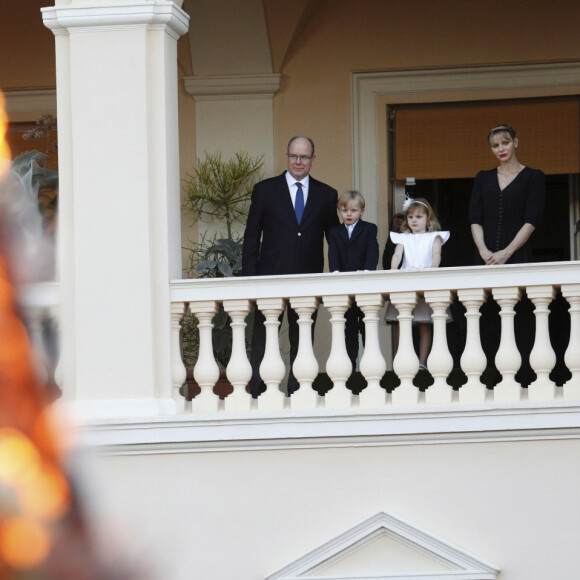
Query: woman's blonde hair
pixel 504 130
pixel 433 224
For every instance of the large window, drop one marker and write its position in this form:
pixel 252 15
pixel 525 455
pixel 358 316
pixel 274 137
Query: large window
pixel 444 145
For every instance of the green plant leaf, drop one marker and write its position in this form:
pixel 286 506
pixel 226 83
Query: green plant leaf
pixel 225 269
pixel 206 265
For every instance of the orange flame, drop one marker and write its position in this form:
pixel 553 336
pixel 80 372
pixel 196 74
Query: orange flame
pixel 4 149
pixel 30 462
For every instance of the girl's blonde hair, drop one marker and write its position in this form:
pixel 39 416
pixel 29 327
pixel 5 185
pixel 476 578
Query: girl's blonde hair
pixel 433 224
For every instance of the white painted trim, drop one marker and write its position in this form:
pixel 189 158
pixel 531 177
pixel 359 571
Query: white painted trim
pixel 328 429
pixel 236 87
pixel 474 83
pixel 380 281
pixel 119 409
pixel 33 102
pixel 42 294
pixel 161 14
pixel 466 566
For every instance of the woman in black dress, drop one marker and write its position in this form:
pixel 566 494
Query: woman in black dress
pixel 506 204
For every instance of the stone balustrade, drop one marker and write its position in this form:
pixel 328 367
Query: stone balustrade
pixel 440 287
pixel 39 304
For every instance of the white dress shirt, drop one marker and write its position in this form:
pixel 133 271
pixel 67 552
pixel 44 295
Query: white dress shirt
pixel 350 228
pixel 292 187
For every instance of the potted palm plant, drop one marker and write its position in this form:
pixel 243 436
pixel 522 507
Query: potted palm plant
pixel 217 192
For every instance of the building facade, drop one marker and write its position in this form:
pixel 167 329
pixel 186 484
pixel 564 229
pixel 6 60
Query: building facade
pixel 469 482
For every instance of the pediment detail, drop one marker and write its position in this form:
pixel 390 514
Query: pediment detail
pixel 386 547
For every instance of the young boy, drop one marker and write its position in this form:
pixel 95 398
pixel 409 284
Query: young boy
pixel 353 247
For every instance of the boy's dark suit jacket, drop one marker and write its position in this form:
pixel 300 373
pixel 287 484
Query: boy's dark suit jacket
pixel 274 242
pixel 360 252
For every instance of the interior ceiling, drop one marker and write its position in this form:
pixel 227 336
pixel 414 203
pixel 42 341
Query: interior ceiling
pixel 244 36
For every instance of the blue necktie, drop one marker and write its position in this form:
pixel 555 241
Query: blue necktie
pixel 299 203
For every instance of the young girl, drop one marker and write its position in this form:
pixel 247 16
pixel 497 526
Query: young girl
pixel 419 246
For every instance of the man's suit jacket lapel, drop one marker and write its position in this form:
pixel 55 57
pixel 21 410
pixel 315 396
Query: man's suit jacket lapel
pixel 343 234
pixel 284 197
pixel 358 229
pixel 311 201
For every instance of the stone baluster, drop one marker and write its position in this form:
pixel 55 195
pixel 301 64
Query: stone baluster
pixel 542 357
pixel 440 361
pixel 372 364
pixel 406 362
pixel 338 365
pixel 473 360
pixel 206 370
pixel 178 371
pixel 239 369
pixel 508 359
pixel 305 365
pixel 35 316
pixel 571 292
pixel 272 368
pixel 57 371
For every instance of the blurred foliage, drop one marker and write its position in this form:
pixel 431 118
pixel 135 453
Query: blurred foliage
pixel 218 192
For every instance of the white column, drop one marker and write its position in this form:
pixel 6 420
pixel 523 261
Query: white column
pixel 571 292
pixel 542 357
pixel 206 370
pixel 338 365
pixel 508 359
pixel 440 361
pixel 473 360
pixel 119 201
pixel 372 364
pixel 239 371
pixel 406 362
pixel 272 368
pixel 235 112
pixel 305 366
pixel 179 373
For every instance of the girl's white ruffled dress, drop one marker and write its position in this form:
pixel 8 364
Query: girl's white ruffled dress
pixel 417 254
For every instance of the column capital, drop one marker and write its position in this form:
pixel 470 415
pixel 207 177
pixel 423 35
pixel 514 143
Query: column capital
pixel 546 291
pixel 511 293
pixel 160 15
pixel 402 298
pixel 234 87
pixel 570 290
pixel 370 300
pixel 472 294
pixel 341 301
pixel 312 302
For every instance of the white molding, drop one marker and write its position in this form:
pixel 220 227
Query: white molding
pixel 110 410
pixel 33 102
pixel 422 425
pixel 474 83
pixel 463 565
pixel 233 87
pixel 161 14
pixel 41 294
pixel 379 281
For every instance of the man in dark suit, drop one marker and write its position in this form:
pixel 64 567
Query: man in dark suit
pixel 353 246
pixel 288 219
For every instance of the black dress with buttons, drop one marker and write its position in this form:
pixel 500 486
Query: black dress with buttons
pixel 502 213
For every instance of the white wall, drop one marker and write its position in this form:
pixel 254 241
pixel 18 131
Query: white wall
pixel 245 514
